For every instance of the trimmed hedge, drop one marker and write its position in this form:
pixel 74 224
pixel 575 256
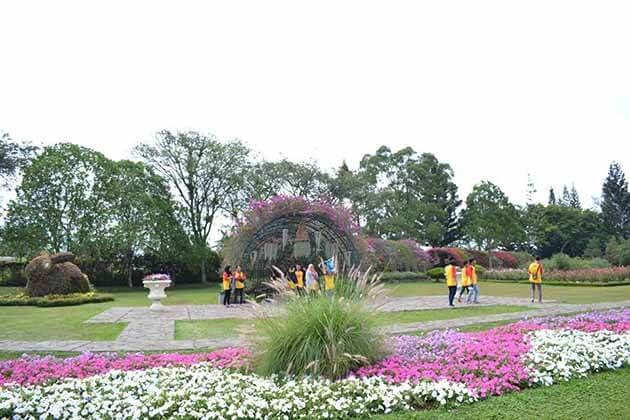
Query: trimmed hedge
pixel 55 300
pixel 404 276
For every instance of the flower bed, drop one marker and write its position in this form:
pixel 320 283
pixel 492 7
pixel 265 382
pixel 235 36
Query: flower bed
pixel 438 368
pixel 55 300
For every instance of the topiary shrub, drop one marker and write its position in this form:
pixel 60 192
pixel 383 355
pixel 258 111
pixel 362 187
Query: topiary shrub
pixel 436 273
pixel 54 275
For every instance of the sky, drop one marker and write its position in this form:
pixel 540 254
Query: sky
pixel 498 89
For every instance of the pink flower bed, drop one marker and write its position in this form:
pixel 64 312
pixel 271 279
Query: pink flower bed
pixel 29 370
pixel 489 362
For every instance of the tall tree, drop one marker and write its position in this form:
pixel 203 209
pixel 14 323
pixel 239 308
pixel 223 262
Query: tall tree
pixel 574 198
pixel 61 203
pixel 531 189
pixel 615 202
pixel 565 200
pixel 489 220
pixel 552 197
pixel 204 172
pixel 13 156
pixel 143 215
pixel 407 195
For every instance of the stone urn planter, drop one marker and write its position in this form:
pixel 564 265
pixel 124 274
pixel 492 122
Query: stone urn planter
pixel 156 283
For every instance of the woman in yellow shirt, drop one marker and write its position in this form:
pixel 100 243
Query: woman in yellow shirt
pixel 465 281
pixel 473 296
pixel 299 279
pixel 450 273
pixel 536 271
pixel 239 277
pixel 227 285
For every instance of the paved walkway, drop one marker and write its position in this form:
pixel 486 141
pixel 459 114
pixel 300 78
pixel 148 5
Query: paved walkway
pixel 148 330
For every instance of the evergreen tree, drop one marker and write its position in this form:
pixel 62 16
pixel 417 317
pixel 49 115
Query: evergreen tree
pixel 552 197
pixel 615 202
pixel 566 197
pixel 531 189
pixel 574 198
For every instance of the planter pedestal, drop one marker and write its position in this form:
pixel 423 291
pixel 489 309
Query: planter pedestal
pixel 156 292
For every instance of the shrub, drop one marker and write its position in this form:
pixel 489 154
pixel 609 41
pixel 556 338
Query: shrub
pixel 524 258
pixel 404 276
pixel 404 255
pixel 618 252
pixel 614 275
pixel 436 273
pixel 321 335
pixel 504 259
pixel 55 300
pixel 559 262
pixel 442 256
pixel 54 275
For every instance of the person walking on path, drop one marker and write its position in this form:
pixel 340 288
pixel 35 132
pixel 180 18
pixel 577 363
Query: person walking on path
pixel 450 273
pixel 536 271
pixel 227 285
pixel 465 284
pixel 473 296
pixel 239 277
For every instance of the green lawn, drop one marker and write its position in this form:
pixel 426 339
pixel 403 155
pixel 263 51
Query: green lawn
pixel 567 294
pixel 602 396
pixel 232 327
pixel 30 323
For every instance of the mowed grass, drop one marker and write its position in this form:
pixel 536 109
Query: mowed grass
pixel 603 396
pixel 565 294
pixel 233 327
pixel 31 323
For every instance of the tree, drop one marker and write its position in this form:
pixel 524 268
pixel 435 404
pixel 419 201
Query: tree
pixel 593 248
pixel 615 203
pixel 531 189
pixel 406 195
pixel 143 215
pixel 61 203
pixel 562 229
pixel 565 200
pixel 489 220
pixel 552 197
pixel 574 198
pixel 13 156
pixel 204 172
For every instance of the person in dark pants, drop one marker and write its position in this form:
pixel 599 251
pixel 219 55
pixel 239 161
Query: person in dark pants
pixel 239 277
pixel 227 285
pixel 450 273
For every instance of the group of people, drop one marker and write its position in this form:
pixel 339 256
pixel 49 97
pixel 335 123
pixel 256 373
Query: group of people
pixel 466 282
pixel 307 281
pixel 233 283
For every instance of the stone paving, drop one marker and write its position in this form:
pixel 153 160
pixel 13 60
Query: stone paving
pixel 147 330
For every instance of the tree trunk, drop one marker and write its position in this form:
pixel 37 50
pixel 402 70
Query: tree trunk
pixel 130 270
pixel 490 259
pixel 204 277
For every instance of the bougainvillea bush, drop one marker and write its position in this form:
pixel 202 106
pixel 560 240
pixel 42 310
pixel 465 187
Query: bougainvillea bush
pixel 438 368
pixel 404 255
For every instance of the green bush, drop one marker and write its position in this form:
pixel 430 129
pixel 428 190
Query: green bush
pixel 404 276
pixel 436 273
pixel 563 262
pixel 55 300
pixel 318 336
pixel 618 252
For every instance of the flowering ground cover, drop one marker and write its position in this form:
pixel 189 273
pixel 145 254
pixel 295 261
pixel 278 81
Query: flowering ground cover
pixel 438 368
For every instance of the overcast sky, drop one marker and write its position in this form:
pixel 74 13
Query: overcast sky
pixel 495 88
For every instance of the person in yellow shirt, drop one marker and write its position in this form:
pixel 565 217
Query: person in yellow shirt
pixel 239 278
pixel 473 296
pixel 465 281
pixel 536 271
pixel 328 269
pixel 227 285
pixel 299 279
pixel 450 273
